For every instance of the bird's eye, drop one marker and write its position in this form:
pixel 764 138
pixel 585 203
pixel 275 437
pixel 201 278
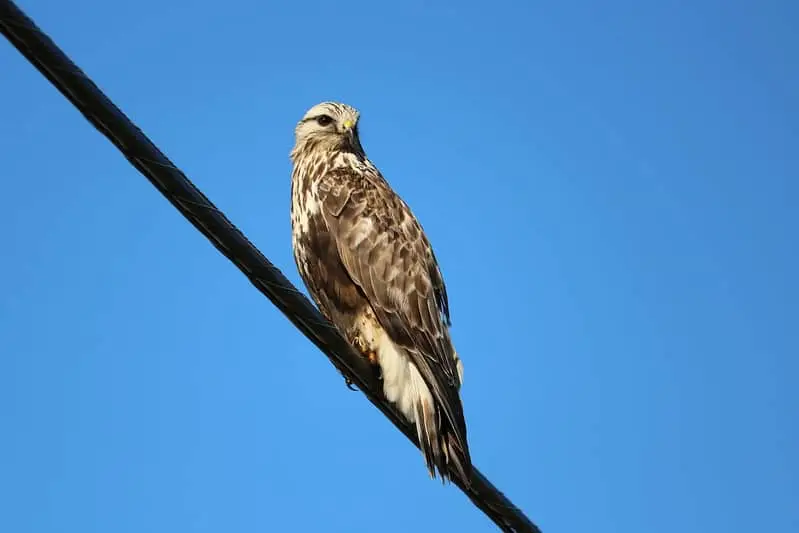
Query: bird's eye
pixel 323 120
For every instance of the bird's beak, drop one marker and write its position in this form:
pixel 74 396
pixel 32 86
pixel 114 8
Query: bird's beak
pixel 349 130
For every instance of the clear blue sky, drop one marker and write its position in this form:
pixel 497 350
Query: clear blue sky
pixel 611 189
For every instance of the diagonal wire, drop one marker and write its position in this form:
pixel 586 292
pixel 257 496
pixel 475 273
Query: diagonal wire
pixel 40 51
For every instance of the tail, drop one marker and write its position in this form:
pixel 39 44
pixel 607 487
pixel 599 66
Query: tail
pixel 440 446
pixel 432 406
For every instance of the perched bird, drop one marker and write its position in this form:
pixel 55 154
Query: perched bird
pixel 371 270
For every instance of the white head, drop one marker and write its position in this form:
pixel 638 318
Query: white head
pixel 329 126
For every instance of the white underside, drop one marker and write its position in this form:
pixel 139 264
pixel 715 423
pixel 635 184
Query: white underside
pixel 403 385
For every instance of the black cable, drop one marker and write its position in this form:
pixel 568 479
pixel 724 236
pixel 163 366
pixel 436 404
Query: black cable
pixel 40 50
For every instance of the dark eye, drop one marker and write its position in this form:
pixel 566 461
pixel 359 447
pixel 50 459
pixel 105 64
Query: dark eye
pixel 323 120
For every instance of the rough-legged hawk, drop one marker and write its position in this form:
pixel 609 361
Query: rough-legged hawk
pixel 371 270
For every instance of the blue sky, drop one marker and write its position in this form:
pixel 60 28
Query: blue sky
pixel 611 189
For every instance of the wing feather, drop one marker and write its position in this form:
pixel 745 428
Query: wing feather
pixel 385 252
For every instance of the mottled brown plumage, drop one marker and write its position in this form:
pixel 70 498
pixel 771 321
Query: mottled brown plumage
pixel 371 270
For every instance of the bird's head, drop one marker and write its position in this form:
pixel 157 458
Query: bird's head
pixel 329 126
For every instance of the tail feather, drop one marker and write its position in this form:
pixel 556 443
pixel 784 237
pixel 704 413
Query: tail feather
pixel 443 447
pixel 440 447
pixel 459 460
pixel 427 444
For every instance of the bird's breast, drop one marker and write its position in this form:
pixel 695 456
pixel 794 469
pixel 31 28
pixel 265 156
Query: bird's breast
pixel 304 205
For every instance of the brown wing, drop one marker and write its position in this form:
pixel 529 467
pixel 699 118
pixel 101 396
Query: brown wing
pixel 386 253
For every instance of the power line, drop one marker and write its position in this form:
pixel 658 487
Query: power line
pixel 76 86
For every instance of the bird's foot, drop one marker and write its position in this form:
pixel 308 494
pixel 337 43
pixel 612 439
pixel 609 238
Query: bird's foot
pixel 359 344
pixel 364 349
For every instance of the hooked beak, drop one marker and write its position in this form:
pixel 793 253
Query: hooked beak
pixel 351 142
pixel 349 129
